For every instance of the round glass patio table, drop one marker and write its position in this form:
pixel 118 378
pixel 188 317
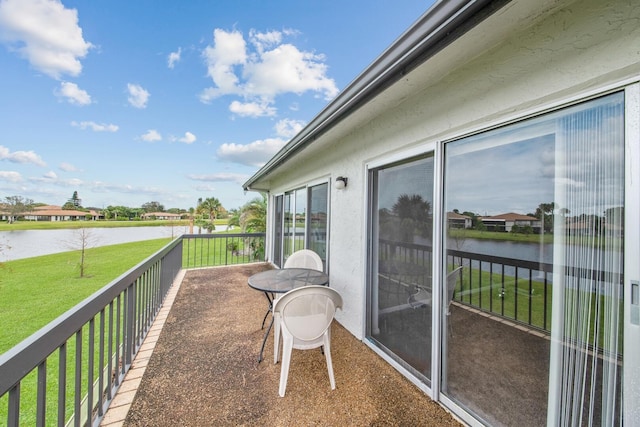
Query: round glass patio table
pixel 279 281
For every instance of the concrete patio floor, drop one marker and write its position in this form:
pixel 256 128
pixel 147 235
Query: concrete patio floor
pixel 198 367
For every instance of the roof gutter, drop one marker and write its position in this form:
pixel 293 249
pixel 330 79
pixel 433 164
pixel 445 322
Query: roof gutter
pixel 440 25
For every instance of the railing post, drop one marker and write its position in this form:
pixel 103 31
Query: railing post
pixel 130 322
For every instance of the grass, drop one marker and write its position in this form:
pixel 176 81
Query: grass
pixel 34 291
pixel 58 225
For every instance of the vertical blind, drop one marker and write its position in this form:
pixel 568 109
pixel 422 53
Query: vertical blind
pixel 586 359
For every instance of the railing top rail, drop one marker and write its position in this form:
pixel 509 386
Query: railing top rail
pixel 222 236
pixel 22 358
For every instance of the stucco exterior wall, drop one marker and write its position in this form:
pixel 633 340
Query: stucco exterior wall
pixel 528 57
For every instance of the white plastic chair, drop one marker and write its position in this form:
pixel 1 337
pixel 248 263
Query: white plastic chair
pixel 304 258
pixel 305 316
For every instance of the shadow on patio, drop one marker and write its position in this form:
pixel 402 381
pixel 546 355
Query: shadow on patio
pixel 204 369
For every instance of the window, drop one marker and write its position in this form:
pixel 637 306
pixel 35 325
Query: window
pixel 301 219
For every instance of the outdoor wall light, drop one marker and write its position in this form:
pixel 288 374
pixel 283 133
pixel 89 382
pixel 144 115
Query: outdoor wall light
pixel 341 183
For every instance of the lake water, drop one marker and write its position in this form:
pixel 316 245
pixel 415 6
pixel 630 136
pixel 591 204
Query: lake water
pixel 20 244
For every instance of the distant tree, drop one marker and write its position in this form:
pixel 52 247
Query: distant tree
pixel 544 213
pixel 176 211
pixel 210 207
pixel 74 202
pixel 83 240
pixel 152 207
pixel 17 206
pixel 118 213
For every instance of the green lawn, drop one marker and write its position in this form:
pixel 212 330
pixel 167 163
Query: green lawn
pixel 56 225
pixel 34 291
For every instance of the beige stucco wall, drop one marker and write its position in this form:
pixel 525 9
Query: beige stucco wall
pixel 528 57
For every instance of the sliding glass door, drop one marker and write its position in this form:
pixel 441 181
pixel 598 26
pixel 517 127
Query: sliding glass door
pixel 531 323
pixel 400 294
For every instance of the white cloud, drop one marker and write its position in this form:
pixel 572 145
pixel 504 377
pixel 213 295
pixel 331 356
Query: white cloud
pixel 68 167
pixel 152 135
pixel 236 178
pixel 21 156
pixel 287 69
pixel 51 175
pixel 188 138
pixel 252 109
pixel 263 41
pixel 10 176
pixel 138 96
pixel 52 178
pixel 173 58
pixel 228 51
pixel 45 33
pixel 288 128
pixel 73 94
pixel 254 154
pixel 259 75
pixel 96 127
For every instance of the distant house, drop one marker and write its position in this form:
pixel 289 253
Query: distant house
pixel 56 213
pixel 161 215
pixel 456 220
pixel 505 222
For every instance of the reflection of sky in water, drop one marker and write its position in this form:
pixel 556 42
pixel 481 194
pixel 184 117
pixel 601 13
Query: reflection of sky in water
pixel 515 169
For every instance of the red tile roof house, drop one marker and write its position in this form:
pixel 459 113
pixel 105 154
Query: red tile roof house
pixel 456 220
pixel 482 105
pixel 505 222
pixel 161 215
pixel 56 213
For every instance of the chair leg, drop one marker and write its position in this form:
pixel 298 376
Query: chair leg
pixel 327 356
pixel 287 346
pixel 276 338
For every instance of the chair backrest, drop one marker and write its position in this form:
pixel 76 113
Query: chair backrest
pixel 452 279
pixel 304 258
pixel 307 312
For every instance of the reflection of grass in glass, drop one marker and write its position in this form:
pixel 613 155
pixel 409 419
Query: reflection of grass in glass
pixel 525 302
pixel 488 292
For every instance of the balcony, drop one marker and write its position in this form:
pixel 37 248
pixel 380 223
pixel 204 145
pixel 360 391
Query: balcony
pixel 97 364
pixel 203 370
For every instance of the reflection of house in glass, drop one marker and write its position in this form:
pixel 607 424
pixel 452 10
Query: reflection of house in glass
pixel 506 222
pixel 456 220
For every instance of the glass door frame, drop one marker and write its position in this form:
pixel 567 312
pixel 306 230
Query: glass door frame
pixel 631 358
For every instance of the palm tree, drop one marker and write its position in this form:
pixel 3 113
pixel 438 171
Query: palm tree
pixel 253 215
pixel 414 214
pixel 211 206
pixel 253 219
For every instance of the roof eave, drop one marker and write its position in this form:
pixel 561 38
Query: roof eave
pixel 442 23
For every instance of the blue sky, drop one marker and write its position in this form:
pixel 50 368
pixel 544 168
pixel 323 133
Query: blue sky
pixel 128 102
